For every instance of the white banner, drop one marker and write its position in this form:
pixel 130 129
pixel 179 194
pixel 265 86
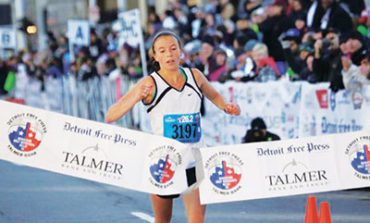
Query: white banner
pixel 290 110
pixel 326 112
pixel 92 150
pixel 154 164
pixel 281 168
pixel 277 103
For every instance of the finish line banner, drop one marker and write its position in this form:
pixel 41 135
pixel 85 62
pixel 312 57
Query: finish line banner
pixel 92 150
pixel 282 168
pixel 154 164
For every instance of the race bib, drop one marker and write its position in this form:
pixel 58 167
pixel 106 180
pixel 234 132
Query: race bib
pixel 184 128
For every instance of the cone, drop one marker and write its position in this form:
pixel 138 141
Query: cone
pixel 311 211
pixel 324 212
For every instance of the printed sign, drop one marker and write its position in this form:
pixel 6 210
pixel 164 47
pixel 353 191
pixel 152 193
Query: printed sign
pixel 79 32
pixel 7 38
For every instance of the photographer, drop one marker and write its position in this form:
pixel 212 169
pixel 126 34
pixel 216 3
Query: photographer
pixel 259 133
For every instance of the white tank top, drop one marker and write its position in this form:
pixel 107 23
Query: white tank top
pixel 176 113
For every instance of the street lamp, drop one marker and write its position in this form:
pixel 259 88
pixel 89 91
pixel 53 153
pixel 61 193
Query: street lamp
pixel 27 26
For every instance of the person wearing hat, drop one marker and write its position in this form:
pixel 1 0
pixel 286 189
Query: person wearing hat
pixel 258 132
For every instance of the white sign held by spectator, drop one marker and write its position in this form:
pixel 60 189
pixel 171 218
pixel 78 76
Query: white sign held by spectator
pixel 131 33
pixel 79 32
pixel 7 38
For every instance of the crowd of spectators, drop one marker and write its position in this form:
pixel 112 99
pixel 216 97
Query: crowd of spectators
pixel 246 40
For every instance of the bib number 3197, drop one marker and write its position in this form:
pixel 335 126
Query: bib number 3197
pixel 184 128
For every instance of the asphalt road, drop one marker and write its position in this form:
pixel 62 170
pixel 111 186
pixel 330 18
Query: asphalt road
pixel 35 196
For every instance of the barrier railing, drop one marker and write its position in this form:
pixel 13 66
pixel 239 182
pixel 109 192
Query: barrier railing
pixel 290 109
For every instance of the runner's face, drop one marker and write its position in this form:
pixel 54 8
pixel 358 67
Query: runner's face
pixel 167 52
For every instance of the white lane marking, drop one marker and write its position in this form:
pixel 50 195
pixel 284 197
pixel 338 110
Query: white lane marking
pixel 143 216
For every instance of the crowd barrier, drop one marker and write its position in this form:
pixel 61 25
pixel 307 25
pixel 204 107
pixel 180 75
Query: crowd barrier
pixel 88 99
pixel 290 109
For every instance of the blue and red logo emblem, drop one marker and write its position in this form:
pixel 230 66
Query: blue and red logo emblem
pixel 225 172
pixel 162 171
pixel 361 160
pixel 225 176
pixel 25 134
pixel 24 138
pixel 358 152
pixel 164 160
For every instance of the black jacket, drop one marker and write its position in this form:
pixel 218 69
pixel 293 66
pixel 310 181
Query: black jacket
pixel 257 136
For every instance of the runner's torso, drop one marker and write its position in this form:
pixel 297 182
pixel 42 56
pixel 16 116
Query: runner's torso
pixel 176 113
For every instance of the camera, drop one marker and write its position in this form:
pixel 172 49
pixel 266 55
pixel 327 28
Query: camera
pixel 257 135
pixel 325 48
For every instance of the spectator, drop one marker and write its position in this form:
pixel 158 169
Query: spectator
pixel 3 75
pixel 191 54
pixel 251 5
pixel 353 48
pixel 297 16
pixel 246 68
pixel 168 20
pixel 304 63
pixel 259 133
pixel 267 69
pixel 326 64
pixel 307 72
pixel 295 53
pixel 184 28
pixel 206 55
pixel 355 75
pixel 53 69
pixel 227 9
pixel 272 28
pixel 96 45
pixel 325 14
pixel 357 47
pixel 220 69
pixel 354 8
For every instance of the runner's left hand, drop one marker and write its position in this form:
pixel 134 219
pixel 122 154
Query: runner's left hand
pixel 232 109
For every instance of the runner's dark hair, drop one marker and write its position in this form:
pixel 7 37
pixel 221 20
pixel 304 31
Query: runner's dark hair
pixel 154 64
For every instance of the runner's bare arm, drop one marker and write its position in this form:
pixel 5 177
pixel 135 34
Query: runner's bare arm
pixel 216 98
pixel 143 90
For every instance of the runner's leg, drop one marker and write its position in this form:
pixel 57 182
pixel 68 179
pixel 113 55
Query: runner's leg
pixel 162 209
pixel 194 210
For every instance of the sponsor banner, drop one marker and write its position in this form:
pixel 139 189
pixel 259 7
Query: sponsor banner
pixel 92 150
pixel 282 168
pixel 326 112
pixel 278 103
pixel 290 110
